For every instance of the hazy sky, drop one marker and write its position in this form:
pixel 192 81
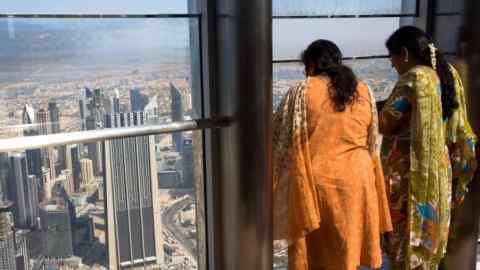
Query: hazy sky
pixel 349 34
pixel 93 6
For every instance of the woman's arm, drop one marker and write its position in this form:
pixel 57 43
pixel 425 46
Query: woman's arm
pixel 396 109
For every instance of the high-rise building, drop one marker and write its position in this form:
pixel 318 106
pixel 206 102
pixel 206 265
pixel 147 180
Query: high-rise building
pixel 177 115
pixel 68 184
pixel 152 111
pixel 169 179
pixel 54 117
pixel 138 101
pixel 46 184
pixel 23 192
pixel 4 174
pixel 116 102
pixel 43 128
pixel 33 200
pixel 16 188
pixel 55 129
pixel 22 250
pixel 29 119
pixel 187 164
pixel 7 239
pixel 134 236
pixel 34 157
pixel 93 108
pixel 42 120
pixel 73 164
pixel 86 167
pixel 83 230
pixel 56 230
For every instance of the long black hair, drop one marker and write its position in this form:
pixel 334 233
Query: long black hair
pixel 418 43
pixel 324 57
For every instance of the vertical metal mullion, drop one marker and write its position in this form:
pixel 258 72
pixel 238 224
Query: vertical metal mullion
pixel 423 17
pixel 205 164
pixel 243 158
pixel 211 164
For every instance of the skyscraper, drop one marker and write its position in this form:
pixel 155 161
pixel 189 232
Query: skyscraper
pixel 86 167
pixel 4 171
pixel 68 184
pixel 29 119
pixel 34 156
pixel 134 236
pixel 73 164
pixel 93 108
pixel 177 115
pixel 116 102
pixel 42 119
pixel 32 193
pixel 55 129
pixel 54 117
pixel 17 187
pixel 187 164
pixel 138 101
pixel 7 240
pixel 21 250
pixel 23 192
pixel 56 230
pixel 46 184
pixel 43 127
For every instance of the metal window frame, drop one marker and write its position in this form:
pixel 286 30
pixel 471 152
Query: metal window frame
pixel 369 57
pixel 206 124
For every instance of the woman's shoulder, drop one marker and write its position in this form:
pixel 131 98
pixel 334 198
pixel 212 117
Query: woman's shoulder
pixel 419 77
pixel 363 89
pixel 421 71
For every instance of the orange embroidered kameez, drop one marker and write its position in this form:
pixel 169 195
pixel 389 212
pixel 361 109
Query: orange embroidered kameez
pixel 329 194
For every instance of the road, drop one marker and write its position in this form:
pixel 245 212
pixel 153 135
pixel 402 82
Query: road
pixel 168 218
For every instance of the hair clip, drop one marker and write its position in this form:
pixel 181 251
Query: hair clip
pixel 433 55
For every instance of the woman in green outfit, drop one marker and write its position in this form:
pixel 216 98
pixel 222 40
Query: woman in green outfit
pixel 423 118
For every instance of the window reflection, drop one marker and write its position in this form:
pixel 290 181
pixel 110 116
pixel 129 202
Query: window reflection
pixel 342 7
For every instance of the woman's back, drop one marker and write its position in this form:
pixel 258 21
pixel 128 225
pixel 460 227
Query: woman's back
pixel 338 138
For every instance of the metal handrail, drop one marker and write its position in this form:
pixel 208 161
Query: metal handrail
pixel 91 136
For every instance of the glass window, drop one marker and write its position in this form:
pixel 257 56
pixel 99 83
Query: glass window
pixel 449 6
pixel 79 70
pixel 136 194
pixel 292 36
pixel 140 195
pixel 342 7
